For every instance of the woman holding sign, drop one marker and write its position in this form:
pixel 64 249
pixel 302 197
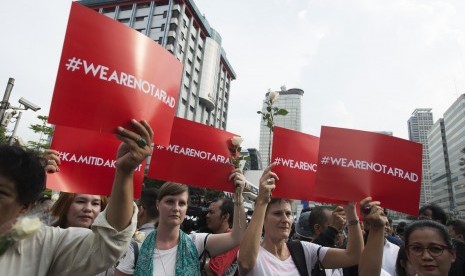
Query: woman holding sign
pixel 273 256
pixel 168 250
pixel 29 248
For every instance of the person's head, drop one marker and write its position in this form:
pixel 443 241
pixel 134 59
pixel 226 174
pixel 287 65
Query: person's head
pixel 220 215
pixel 429 247
pixel 400 229
pixel 278 219
pixel 319 219
pixel 77 210
pixel 172 204
pixel 457 229
pixel 403 266
pixel 147 204
pixel 433 212
pixel 302 227
pixel 22 179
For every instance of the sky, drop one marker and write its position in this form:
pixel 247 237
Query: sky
pixel 363 64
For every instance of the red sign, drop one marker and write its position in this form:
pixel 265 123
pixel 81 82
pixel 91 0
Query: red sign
pixel 355 164
pixel 87 162
pixel 109 74
pixel 198 155
pixel 296 156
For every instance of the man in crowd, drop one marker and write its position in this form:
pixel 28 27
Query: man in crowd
pixel 326 224
pixel 219 220
pixel 457 233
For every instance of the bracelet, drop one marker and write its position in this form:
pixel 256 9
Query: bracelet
pixel 352 222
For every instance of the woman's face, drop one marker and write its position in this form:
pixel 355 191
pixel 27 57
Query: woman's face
pixel 426 264
pixel 83 211
pixel 278 220
pixel 9 205
pixel 172 209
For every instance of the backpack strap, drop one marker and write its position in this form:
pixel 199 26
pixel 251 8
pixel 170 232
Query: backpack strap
pixel 297 253
pixel 135 246
pixel 205 253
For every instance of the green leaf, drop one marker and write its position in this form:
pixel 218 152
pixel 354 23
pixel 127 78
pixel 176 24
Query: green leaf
pixel 268 108
pixel 267 116
pixel 259 112
pixel 269 124
pixel 282 112
pixel 275 108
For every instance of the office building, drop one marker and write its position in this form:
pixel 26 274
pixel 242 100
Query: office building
pixel 418 126
pixel 291 100
pixel 447 139
pixel 181 29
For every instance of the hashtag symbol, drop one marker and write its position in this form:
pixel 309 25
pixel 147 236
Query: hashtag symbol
pixel 277 161
pixel 73 64
pixel 159 147
pixel 325 160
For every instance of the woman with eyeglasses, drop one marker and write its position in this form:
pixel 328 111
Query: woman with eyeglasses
pixel 428 247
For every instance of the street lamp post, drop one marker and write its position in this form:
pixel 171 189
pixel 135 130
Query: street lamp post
pixel 6 97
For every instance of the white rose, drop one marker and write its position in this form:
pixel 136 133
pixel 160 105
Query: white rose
pixel 139 236
pixel 237 141
pixel 273 96
pixel 55 197
pixel 26 226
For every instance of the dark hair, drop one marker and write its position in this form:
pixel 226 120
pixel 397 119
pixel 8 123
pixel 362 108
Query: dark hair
pixel 25 170
pixel 438 212
pixel 227 207
pixel 172 188
pixel 61 207
pixel 148 200
pixel 317 216
pixel 431 224
pixel 401 262
pixel 458 226
pixel 276 200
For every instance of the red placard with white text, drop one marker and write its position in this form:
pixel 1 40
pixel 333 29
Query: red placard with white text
pixel 110 73
pixel 198 155
pixel 295 155
pixel 87 162
pixel 355 164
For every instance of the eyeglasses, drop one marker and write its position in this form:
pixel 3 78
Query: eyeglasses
pixel 434 250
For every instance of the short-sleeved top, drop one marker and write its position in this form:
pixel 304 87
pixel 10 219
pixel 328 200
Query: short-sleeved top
pixel 268 264
pixel 164 261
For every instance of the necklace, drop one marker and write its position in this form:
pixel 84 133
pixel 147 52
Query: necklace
pixel 161 259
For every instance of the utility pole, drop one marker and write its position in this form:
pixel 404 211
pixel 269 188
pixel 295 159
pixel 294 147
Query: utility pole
pixel 6 97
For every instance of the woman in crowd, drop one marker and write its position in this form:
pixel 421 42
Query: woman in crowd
pixel 273 257
pixel 77 210
pixel 168 250
pixel 428 247
pixel 72 251
pixel 403 266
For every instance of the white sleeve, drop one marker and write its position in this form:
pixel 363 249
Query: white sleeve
pixel 310 251
pixel 126 265
pixel 199 240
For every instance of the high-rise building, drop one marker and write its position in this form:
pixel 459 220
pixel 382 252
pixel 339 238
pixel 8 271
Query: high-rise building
pixel 418 126
pixel 181 29
pixel 447 138
pixel 291 100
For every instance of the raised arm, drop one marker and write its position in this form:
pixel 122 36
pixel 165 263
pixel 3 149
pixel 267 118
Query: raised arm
pixel 251 242
pixel 372 256
pixel 131 153
pixel 337 258
pixel 220 243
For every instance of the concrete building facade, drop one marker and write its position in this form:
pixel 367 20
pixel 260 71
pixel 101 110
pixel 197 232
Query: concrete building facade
pixel 181 29
pixel 418 126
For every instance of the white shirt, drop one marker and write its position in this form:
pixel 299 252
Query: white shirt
pixel 71 251
pixel 268 264
pixel 390 252
pixel 164 261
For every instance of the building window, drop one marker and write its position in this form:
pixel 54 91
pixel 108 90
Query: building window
pixel 126 8
pixel 108 10
pixel 192 37
pixel 141 6
pixel 139 18
pixel 185 23
pixel 124 21
pixel 180 49
pixel 162 27
pixel 184 102
pixel 165 14
pixel 160 40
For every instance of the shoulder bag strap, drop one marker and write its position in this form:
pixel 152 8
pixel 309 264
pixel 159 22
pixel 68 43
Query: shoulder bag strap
pixel 298 256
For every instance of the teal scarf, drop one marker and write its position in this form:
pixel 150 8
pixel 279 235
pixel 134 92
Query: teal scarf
pixel 187 257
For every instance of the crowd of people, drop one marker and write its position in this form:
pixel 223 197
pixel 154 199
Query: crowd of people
pixel 95 235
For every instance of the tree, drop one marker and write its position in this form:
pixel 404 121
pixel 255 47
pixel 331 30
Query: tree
pixel 45 130
pixel 3 139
